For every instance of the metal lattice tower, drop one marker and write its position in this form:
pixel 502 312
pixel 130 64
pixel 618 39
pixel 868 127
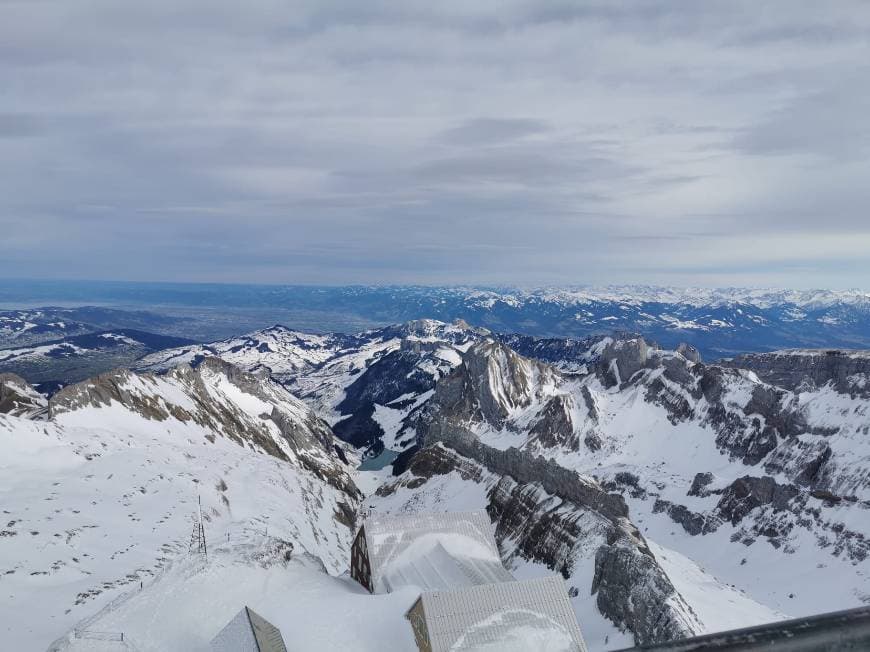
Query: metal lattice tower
pixel 197 537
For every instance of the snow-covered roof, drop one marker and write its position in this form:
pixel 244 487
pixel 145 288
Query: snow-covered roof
pixel 433 551
pixel 506 617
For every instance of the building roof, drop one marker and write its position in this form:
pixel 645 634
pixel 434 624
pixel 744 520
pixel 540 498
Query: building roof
pixel 249 631
pixel 268 636
pixel 503 617
pixel 433 551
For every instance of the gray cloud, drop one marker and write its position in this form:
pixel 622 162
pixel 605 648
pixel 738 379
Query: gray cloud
pixel 830 122
pixel 524 142
pixel 19 125
pixel 492 131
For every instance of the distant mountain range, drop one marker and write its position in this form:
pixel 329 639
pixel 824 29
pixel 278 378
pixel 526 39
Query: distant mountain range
pixel 718 322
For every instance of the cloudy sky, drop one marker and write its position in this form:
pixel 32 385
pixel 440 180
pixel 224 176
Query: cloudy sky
pixel 540 142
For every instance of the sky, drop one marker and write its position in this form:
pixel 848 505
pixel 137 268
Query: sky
pixel 451 142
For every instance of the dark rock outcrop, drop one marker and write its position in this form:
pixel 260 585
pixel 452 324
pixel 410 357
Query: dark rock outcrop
pixel 18 398
pixel 635 593
pixel 847 371
pixel 621 359
pixel 692 522
pixel 748 493
pixel 565 353
pixel 554 427
pixel 700 483
pixel 491 381
pixel 526 468
pixel 535 521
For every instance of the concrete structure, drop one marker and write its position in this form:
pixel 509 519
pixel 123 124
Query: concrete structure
pixel 248 632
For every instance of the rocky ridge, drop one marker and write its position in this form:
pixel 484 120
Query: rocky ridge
pixel 766 463
pixel 223 400
pixel 18 398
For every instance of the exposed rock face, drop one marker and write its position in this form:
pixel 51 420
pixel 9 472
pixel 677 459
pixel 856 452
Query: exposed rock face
pixel 632 590
pixel 748 493
pixel 390 377
pixel 527 468
pixel 101 391
pixel 700 484
pixel 495 387
pixel 563 523
pixel 692 522
pixel 847 371
pixel 19 399
pixel 554 427
pixel 806 462
pixel 565 354
pixel 515 417
pixel 532 524
pixel 536 504
pixel 432 461
pixel 492 384
pixel 621 359
pixel 491 381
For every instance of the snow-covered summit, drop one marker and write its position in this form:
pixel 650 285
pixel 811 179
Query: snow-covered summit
pixel 277 350
pixel 694 296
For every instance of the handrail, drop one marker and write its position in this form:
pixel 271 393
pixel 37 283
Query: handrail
pixel 838 630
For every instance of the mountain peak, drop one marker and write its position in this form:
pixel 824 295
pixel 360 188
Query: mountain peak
pixel 19 398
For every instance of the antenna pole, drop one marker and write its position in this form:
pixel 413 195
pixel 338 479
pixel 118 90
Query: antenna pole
pixel 197 538
pixel 202 529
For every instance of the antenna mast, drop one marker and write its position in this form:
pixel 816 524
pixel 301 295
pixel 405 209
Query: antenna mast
pixel 197 537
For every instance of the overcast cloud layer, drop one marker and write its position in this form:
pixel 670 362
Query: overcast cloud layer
pixel 712 143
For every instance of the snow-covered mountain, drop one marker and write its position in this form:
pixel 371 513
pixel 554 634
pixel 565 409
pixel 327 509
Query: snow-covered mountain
pixel 100 496
pixel 719 322
pixel 677 497
pixel 20 399
pixel 368 386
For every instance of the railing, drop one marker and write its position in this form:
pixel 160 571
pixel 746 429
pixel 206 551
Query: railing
pixel 80 629
pixel 98 636
pixel 118 637
pixel 831 632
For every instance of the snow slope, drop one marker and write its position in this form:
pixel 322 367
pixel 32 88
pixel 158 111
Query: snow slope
pixel 102 497
pixel 186 606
